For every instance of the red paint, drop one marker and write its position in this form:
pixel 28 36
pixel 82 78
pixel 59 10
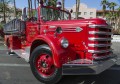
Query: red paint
pixel 45 65
pixel 44 31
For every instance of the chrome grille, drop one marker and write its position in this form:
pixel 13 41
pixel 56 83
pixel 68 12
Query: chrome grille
pixel 99 41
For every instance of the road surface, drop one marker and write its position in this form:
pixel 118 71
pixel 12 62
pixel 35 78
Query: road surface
pixel 14 70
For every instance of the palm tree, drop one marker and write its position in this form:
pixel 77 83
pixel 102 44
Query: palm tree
pixel 118 11
pixel 118 17
pixel 77 8
pixel 104 4
pixel 29 6
pixel 15 15
pixel 63 4
pixel 4 16
pixel 109 6
pixel 112 5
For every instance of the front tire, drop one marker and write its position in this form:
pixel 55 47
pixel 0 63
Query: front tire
pixel 42 65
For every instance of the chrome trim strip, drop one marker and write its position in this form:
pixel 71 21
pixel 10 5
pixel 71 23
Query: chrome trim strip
pixel 100 26
pixel 103 57
pixel 100 39
pixel 99 45
pixel 100 51
pixel 101 33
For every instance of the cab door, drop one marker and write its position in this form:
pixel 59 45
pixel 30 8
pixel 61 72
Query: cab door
pixel 32 31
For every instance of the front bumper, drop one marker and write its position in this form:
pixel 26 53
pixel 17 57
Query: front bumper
pixel 88 68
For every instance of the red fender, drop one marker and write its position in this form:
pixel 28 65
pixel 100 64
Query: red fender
pixel 55 47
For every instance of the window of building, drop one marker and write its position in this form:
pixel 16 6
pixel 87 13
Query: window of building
pixel 85 13
pixel 91 13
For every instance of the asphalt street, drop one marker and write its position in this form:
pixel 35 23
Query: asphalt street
pixel 14 70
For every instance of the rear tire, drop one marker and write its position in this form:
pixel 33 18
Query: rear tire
pixel 42 65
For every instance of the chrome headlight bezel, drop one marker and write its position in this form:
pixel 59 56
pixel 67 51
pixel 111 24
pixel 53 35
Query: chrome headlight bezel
pixel 64 43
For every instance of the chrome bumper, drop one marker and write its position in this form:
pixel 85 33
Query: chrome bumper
pixel 88 69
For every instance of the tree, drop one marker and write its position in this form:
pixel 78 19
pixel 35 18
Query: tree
pixel 118 11
pixel 5 9
pixel 4 12
pixel 15 15
pixel 104 4
pixel 29 7
pixel 112 6
pixel 63 4
pixel 77 8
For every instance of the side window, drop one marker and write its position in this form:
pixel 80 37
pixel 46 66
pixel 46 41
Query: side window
pixel 51 14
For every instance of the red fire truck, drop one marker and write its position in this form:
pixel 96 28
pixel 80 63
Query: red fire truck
pixel 55 45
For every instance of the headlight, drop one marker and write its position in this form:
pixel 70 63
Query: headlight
pixel 64 43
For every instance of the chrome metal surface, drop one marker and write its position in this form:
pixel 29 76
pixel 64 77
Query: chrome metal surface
pixel 99 45
pixel 99 51
pixel 100 39
pixel 88 69
pixel 100 33
pixel 100 26
pixel 103 57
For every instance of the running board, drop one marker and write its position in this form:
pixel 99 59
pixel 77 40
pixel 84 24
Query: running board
pixel 23 54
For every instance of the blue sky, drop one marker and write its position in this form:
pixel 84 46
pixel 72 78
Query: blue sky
pixel 70 3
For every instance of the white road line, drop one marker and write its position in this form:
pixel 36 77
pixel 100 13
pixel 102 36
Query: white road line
pixel 14 65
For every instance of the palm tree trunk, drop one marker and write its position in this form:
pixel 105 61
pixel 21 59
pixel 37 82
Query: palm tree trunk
pixel 4 18
pixel 63 4
pixel 63 7
pixel 15 15
pixel 35 4
pixel 104 12
pixel 77 8
pixel 29 8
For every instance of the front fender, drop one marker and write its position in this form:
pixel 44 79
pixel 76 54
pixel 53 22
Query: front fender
pixel 57 51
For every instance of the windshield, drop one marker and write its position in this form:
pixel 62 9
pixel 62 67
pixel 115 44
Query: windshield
pixel 53 14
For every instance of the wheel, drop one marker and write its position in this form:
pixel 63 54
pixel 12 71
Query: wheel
pixel 42 65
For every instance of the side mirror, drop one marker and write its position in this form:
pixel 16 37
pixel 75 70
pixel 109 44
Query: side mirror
pixel 71 11
pixel 24 14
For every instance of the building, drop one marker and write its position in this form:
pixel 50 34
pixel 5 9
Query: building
pixel 9 14
pixel 84 11
pixel 99 13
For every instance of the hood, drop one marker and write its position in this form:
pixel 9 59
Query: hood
pixel 76 22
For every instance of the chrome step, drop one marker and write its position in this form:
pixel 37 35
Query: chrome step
pixel 100 51
pixel 100 39
pixel 23 54
pixel 100 33
pixel 99 45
